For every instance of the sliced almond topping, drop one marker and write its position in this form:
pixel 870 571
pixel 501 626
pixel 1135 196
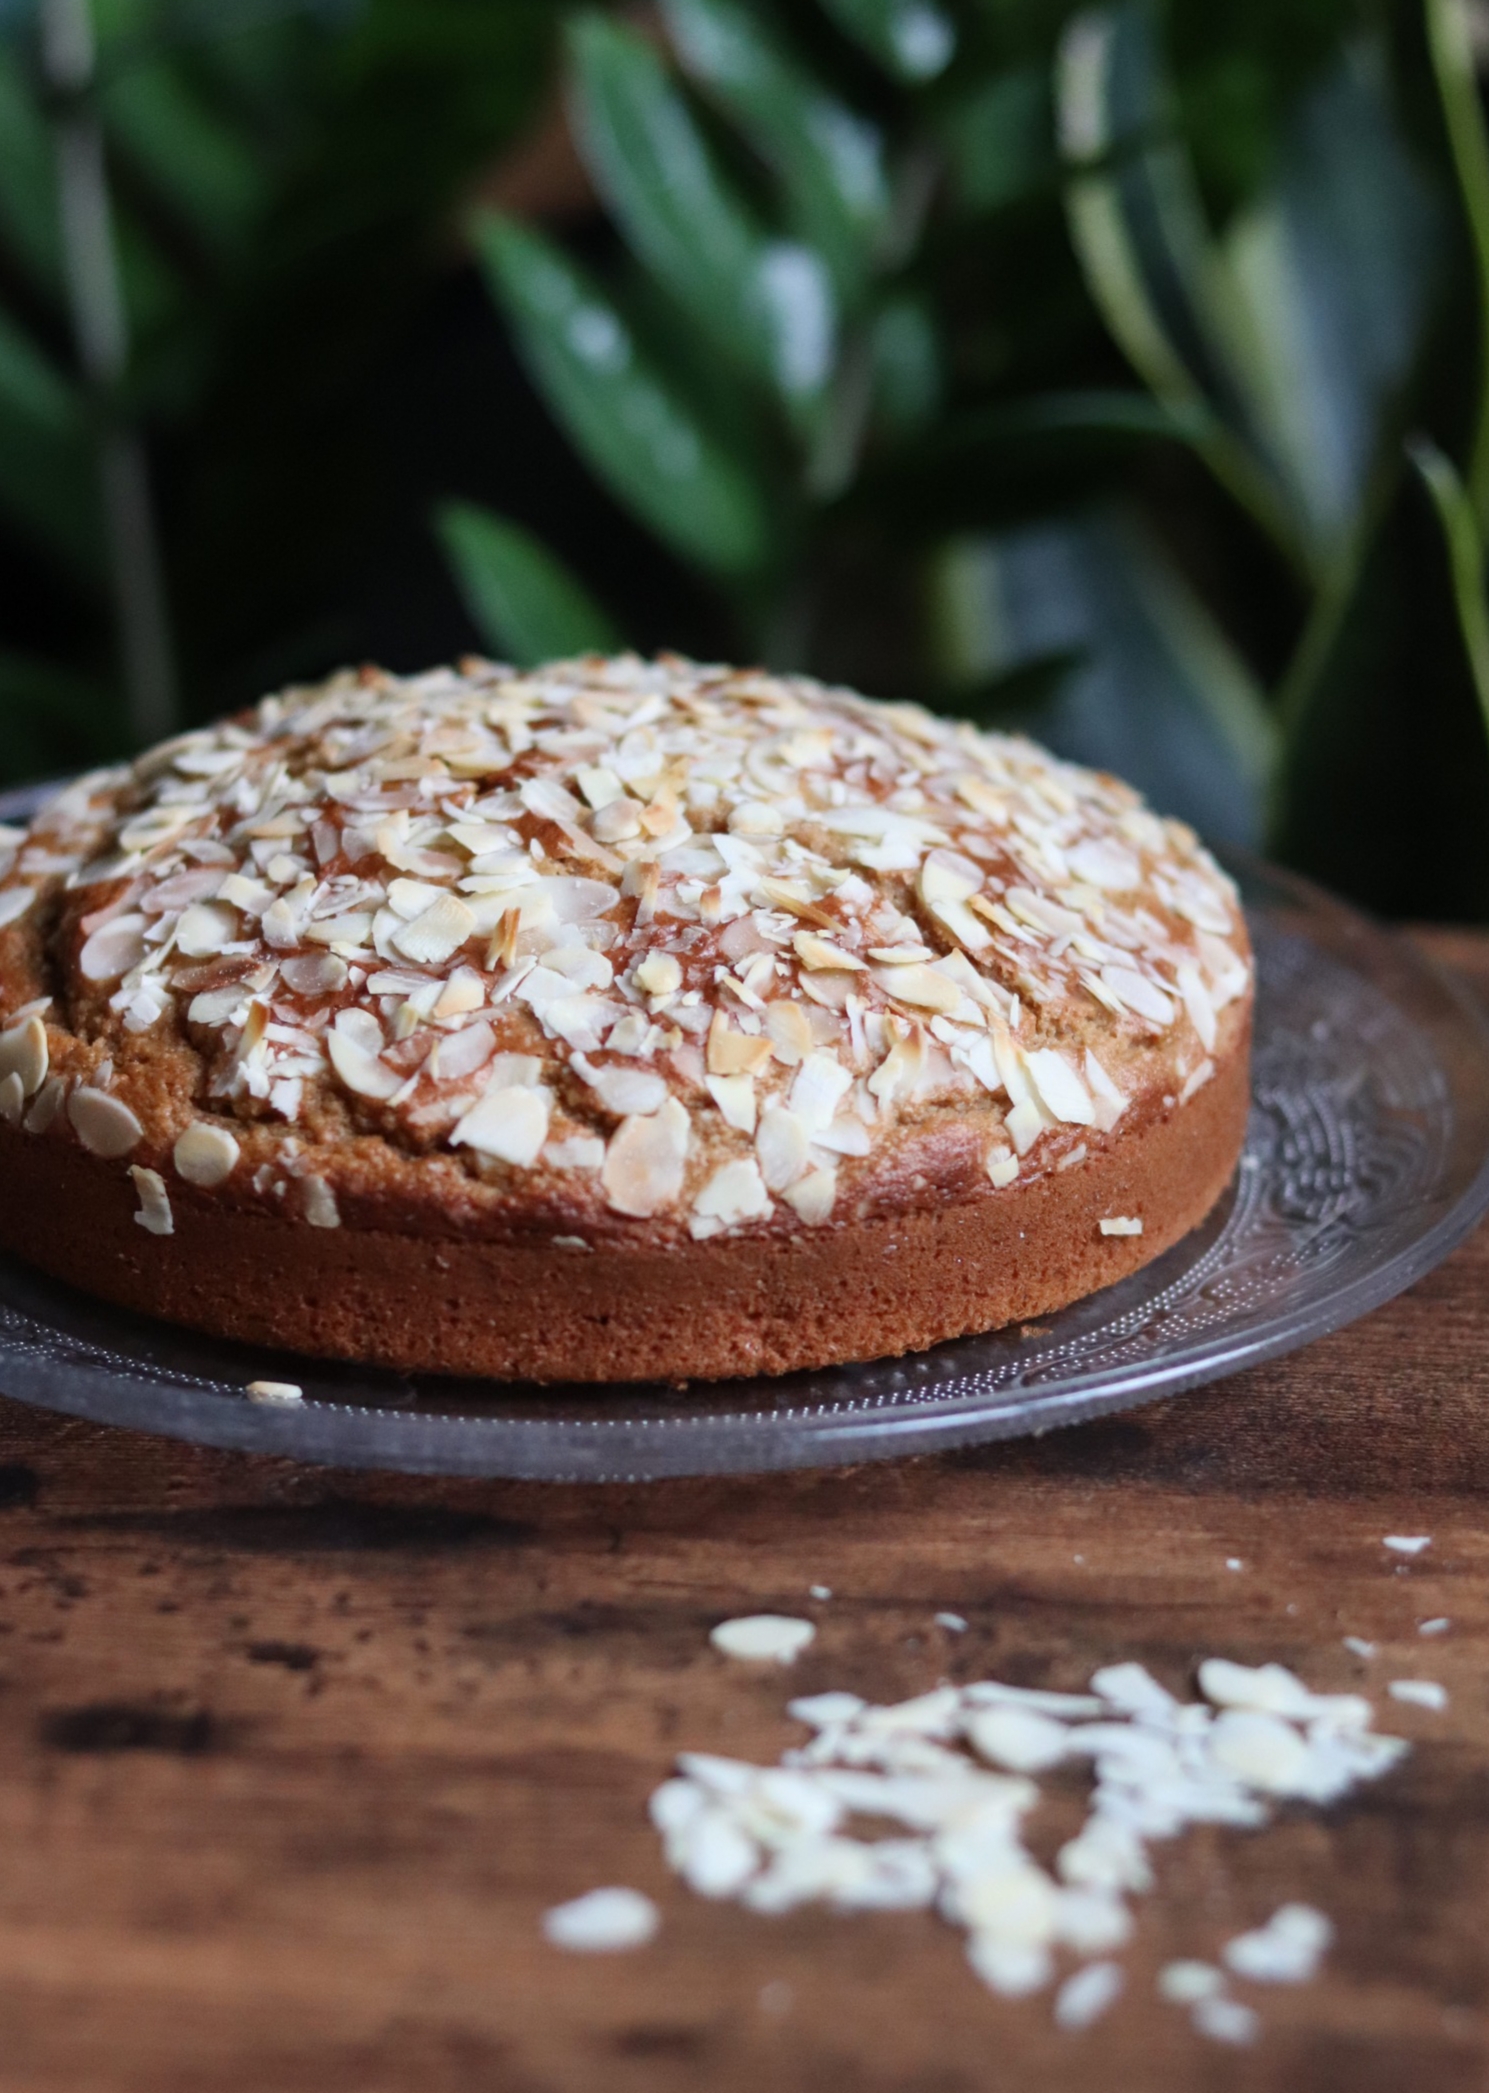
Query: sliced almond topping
pixel 781 893
pixel 464 991
pixel 24 1053
pixel 790 1032
pixel 1121 1224
pixel 502 950
pixel 1061 1091
pixel 353 929
pixel 437 933
pixel 1197 1004
pixel 365 1074
pixel 818 1088
pixel 813 1196
pixel 658 974
pixel 820 954
pixel 920 986
pixel 45 1106
pixel 12 1099
pixel 154 1212
pixel 1002 1166
pixel 105 1125
pixel 1025 1124
pixel 643 1168
pixel 627 1092
pixel 205 928
pixel 736 1192
pixel 732 1053
pixel 14 903
pixel 509 1123
pixel 205 1155
pixel 113 949
pixel 783 1144
pixel 735 1098
pixel 618 821
pixel 1137 993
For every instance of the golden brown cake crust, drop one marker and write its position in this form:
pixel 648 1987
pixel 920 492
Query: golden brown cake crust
pixel 617 1020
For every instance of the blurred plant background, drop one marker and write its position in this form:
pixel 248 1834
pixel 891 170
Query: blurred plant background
pixel 1118 371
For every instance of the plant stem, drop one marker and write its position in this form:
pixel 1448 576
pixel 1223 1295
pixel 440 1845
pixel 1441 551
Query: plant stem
pixel 1458 90
pixel 101 334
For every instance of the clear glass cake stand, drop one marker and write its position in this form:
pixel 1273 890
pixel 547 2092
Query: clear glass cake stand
pixel 1366 1161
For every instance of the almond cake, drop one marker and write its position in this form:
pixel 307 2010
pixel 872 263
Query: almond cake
pixel 614 1020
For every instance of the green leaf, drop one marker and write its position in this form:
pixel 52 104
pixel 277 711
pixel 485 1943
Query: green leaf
pixel 1300 328
pixel 1159 694
pixel 1000 138
pixel 636 433
pixel 828 158
pixel 767 304
pixel 1332 273
pixel 1383 787
pixel 1450 40
pixel 192 154
pixel 1465 548
pixel 524 601
pixel 915 40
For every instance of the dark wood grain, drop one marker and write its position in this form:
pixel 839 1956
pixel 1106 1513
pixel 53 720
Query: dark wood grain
pixel 291 1762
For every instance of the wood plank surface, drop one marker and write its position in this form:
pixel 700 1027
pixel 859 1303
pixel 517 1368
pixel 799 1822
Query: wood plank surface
pixel 291 1762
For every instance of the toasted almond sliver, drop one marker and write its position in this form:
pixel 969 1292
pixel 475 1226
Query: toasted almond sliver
pixel 365 1074
pixel 820 954
pixel 732 1053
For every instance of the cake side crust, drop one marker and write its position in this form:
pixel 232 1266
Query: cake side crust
pixel 705 1310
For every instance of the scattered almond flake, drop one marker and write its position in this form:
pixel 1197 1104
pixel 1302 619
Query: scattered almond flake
pixel 154 1211
pixel 1234 1562
pixel 1438 1626
pixel 1287 1950
pixel 953 1623
pixel 763 1638
pixel 1407 1543
pixel 1120 1224
pixel 1092 1991
pixel 365 1074
pixel 602 1922
pixel 1002 1166
pixel 1223 2019
pixel 821 955
pixel 570 1242
pixel 813 1197
pixel 1419 1693
pixel 105 1125
pixel 14 903
pixel 12 1099
pixel 778 1837
pixel 820 1591
pixel 1019 1739
pixel 1358 1647
pixel 1185 1983
pixel 735 1192
pixel 277 1394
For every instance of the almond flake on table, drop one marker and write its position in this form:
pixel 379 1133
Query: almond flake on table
pixel 1084 1997
pixel 602 1922
pixel 1186 1982
pixel 1439 1626
pixel 1286 1950
pixel 1407 1543
pixel 1419 1693
pixel 1358 1647
pixel 952 1623
pixel 276 1394
pixel 763 1638
pixel 1225 2019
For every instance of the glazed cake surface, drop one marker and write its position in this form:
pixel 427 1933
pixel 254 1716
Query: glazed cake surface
pixel 618 1019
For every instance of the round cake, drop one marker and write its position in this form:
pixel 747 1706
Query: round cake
pixel 615 1020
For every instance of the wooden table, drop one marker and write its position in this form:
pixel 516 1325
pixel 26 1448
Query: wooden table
pixel 293 1761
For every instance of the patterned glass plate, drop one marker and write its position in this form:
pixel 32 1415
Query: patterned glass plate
pixel 1367 1160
